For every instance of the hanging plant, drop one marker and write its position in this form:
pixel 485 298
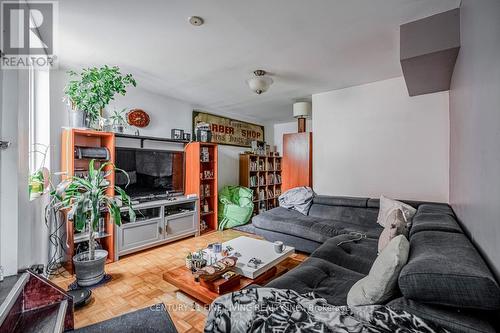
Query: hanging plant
pixel 38 179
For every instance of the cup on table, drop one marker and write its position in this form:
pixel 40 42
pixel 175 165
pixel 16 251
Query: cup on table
pixel 279 247
pixel 217 247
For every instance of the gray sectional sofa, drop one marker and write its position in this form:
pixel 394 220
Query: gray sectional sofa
pixel 445 281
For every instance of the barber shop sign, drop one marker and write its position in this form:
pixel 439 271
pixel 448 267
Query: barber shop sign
pixel 227 131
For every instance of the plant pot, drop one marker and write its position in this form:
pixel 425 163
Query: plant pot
pixel 89 272
pixel 77 119
pixel 118 128
pixel 189 263
pixel 35 189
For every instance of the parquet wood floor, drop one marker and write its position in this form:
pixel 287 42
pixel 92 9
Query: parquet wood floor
pixel 137 283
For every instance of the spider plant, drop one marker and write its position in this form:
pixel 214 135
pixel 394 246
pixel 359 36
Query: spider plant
pixel 118 117
pixel 85 198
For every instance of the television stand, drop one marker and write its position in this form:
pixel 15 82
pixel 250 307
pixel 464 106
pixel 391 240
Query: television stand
pixel 158 222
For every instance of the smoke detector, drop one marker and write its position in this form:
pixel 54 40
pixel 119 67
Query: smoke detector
pixel 260 82
pixel 195 20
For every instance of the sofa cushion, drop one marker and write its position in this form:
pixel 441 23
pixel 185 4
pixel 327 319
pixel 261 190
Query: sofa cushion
pixel 454 320
pixel 355 215
pixel 357 256
pixel 380 284
pixel 435 208
pixel 375 203
pixel 396 225
pixel 309 227
pixel 388 205
pixel 434 222
pixel 316 275
pixel 340 201
pixel 444 268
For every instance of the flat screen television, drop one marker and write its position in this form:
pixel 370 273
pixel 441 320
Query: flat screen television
pixel 151 172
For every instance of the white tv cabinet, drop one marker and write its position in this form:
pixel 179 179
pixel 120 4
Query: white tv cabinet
pixel 158 222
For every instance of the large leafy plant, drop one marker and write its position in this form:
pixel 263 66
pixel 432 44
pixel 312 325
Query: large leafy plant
pixel 93 88
pixel 85 199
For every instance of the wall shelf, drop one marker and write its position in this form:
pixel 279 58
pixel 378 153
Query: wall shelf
pixel 149 138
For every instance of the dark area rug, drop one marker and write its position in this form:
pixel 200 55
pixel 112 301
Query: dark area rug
pixel 154 319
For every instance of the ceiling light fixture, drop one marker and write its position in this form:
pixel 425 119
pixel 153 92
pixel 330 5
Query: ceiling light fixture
pixel 259 83
pixel 196 20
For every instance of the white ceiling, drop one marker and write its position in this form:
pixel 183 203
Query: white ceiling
pixel 309 46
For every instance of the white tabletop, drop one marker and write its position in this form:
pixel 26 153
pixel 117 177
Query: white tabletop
pixel 255 248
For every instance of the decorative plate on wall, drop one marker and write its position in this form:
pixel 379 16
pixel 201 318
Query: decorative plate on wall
pixel 138 118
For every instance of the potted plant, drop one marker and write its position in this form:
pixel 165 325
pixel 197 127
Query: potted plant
pixel 39 178
pixel 85 199
pixel 91 90
pixel 118 120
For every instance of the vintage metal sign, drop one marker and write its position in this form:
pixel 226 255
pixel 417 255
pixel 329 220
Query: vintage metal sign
pixel 227 131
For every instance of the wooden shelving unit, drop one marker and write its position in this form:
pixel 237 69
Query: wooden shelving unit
pixel 71 166
pixel 201 179
pixel 262 174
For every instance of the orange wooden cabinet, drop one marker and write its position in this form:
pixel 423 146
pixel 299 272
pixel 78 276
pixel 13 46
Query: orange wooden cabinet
pixel 297 160
pixel 71 166
pixel 201 179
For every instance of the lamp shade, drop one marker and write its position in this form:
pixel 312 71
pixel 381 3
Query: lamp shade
pixel 301 109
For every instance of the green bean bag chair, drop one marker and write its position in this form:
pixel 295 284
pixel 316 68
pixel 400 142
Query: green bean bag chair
pixel 235 206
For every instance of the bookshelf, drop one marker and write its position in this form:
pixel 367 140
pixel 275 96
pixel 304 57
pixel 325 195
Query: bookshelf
pixel 262 174
pixel 201 179
pixel 71 166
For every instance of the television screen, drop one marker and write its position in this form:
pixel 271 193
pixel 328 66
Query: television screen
pixel 150 171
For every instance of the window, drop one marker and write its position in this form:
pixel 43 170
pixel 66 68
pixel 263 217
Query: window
pixel 39 119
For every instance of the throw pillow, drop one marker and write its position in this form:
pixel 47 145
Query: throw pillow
pixel 381 282
pixel 386 207
pixel 397 225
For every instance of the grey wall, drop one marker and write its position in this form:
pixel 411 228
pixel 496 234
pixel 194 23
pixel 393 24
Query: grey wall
pixel 475 127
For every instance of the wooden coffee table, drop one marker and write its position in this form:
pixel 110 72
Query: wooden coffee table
pixel 274 266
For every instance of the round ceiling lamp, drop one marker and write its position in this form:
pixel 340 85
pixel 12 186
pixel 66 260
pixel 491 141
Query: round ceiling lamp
pixel 259 83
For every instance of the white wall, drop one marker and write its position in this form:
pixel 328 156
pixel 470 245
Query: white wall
pixel 9 164
pixel 165 112
pixel 374 139
pixel 286 128
pixel 475 128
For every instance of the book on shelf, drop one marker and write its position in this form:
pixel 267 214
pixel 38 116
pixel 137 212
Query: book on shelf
pixel 262 195
pixel 253 181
